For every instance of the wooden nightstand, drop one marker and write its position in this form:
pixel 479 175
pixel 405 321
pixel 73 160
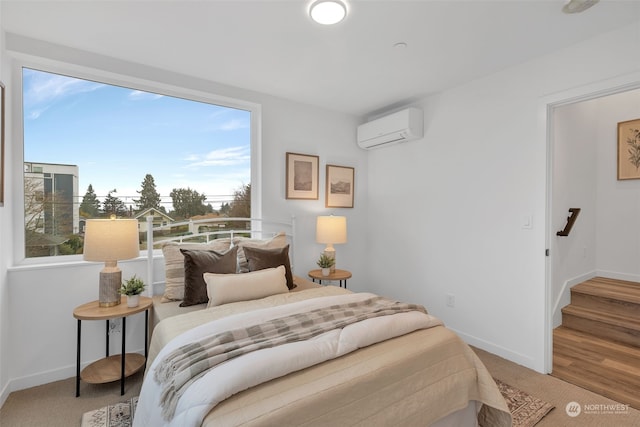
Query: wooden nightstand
pixel 340 275
pixel 118 366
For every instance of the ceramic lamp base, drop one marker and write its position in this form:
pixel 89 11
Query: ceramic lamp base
pixel 331 253
pixel 110 282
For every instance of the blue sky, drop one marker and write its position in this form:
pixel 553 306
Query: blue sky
pixel 117 135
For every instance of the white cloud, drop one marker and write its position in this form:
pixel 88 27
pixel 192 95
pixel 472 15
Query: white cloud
pixel 223 157
pixel 138 95
pixel 220 122
pixel 46 89
pixel 233 124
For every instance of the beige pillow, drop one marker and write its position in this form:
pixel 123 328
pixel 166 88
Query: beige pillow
pixel 174 265
pixel 226 288
pixel 277 241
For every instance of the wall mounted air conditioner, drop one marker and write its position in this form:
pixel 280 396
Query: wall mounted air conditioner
pixel 400 126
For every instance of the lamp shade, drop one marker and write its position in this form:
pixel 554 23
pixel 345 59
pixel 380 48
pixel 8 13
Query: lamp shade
pixel 111 239
pixel 331 229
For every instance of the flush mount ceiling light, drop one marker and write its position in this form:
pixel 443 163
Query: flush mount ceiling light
pixel 577 6
pixel 328 12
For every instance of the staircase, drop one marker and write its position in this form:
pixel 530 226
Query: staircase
pixel 597 347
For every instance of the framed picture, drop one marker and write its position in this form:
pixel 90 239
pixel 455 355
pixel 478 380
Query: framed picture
pixel 302 176
pixel 1 144
pixel 629 149
pixel 340 181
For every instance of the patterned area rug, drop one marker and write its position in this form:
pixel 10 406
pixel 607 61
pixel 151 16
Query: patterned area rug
pixel 526 410
pixel 118 415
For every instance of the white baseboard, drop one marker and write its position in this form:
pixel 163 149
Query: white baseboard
pixel 40 378
pixel 619 276
pixel 4 394
pixel 498 350
pixel 45 377
pixel 563 295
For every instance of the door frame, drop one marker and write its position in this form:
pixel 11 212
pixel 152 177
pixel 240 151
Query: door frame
pixel 547 105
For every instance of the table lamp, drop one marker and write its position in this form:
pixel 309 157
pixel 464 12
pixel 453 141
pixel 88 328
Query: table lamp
pixel 110 240
pixel 331 230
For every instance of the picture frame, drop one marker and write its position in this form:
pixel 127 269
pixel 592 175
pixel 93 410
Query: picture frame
pixel 629 149
pixel 2 128
pixel 302 172
pixel 339 186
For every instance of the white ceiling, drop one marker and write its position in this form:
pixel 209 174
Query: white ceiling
pixel 273 47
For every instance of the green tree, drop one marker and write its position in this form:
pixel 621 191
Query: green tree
pixel 90 206
pixel 112 205
pixel 224 209
pixel 241 204
pixel 149 196
pixel 187 202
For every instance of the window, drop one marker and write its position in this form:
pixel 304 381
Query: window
pixel 92 149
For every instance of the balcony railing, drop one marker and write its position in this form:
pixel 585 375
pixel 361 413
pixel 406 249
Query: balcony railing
pixel 208 229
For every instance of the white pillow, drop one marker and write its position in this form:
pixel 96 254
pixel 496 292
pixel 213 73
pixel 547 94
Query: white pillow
pixel 226 288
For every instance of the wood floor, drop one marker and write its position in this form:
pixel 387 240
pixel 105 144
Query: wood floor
pixel 597 347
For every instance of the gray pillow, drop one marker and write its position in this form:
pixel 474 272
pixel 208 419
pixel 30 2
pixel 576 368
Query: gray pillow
pixel 259 259
pixel 198 262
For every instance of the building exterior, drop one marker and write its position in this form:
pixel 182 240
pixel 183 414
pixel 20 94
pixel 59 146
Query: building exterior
pixel 51 206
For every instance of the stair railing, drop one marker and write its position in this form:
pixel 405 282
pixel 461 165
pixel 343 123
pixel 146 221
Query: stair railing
pixel 571 219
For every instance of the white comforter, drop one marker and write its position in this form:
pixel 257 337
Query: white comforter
pixel 260 366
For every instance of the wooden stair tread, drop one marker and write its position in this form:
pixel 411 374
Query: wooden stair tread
pixel 597 364
pixel 598 345
pixel 616 319
pixel 620 290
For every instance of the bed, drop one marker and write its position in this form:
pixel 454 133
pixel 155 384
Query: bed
pixel 417 375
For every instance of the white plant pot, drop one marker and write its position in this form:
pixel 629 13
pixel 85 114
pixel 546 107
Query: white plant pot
pixel 326 271
pixel 133 300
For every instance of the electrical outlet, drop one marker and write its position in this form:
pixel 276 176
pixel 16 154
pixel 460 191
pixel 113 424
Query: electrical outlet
pixel 451 300
pixel 114 326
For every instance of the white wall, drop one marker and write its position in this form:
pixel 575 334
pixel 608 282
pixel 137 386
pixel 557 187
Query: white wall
pixel 574 176
pixel 464 191
pixel 5 243
pixel 40 346
pixel 605 239
pixel 433 217
pixel 618 202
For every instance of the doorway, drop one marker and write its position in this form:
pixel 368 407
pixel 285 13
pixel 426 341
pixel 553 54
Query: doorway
pixel 582 173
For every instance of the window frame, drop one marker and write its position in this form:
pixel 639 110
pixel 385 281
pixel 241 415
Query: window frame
pixel 123 80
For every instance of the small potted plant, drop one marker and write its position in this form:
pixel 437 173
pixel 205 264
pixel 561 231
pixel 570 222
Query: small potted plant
pixel 325 262
pixel 132 288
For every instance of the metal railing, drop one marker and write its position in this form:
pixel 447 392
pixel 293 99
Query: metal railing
pixel 258 228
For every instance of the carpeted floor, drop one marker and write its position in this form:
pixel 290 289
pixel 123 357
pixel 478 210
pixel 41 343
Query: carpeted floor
pixel 526 410
pixel 563 395
pixel 55 404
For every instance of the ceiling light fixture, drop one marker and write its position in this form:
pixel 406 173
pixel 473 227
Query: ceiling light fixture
pixel 328 12
pixel 577 6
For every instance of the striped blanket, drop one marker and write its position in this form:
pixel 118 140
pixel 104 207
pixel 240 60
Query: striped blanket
pixel 187 363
